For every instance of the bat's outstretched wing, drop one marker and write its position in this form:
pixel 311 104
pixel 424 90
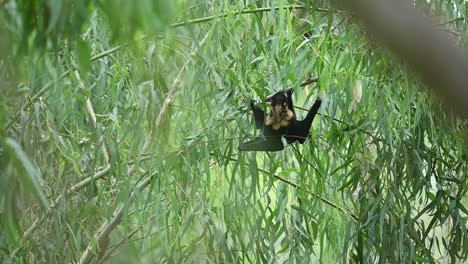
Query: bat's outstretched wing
pixel 263 143
pixel 299 130
pixel 259 115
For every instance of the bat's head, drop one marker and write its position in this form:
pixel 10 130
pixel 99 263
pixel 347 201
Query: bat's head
pixel 278 102
pixel 279 115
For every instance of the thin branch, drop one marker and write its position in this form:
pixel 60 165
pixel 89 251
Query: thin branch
pixel 99 241
pixel 348 126
pixel 49 85
pixel 326 201
pixel 305 83
pixel 74 189
pixel 123 241
pixel 170 96
pixel 101 237
pixel 333 204
pixel 451 21
pixel 36 96
pixel 247 11
pixel 90 108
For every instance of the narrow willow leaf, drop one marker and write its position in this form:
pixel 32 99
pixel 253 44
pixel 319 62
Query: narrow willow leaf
pixel 29 174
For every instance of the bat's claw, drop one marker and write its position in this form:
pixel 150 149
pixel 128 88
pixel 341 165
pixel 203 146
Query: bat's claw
pixel 252 103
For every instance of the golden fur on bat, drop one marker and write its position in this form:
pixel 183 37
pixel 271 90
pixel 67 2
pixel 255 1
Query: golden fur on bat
pixel 279 116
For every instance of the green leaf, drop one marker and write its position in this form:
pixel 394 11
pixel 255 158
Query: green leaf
pixel 84 55
pixel 29 176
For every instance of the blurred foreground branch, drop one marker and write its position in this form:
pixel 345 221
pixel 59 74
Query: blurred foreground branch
pixel 430 52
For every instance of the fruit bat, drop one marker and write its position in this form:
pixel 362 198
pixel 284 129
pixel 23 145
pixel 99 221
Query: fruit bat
pixel 280 121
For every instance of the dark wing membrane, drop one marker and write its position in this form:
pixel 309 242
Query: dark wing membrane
pixel 290 102
pixel 272 143
pixel 259 115
pixel 299 130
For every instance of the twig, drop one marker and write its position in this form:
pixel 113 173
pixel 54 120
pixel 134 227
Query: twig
pixel 451 21
pixel 102 235
pixel 246 11
pixel 108 254
pixel 309 81
pixel 100 239
pixel 326 201
pixel 74 189
pixel 49 84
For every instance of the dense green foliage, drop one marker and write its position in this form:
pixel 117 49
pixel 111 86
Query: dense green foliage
pixel 120 125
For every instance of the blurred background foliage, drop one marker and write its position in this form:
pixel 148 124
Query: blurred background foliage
pixel 121 120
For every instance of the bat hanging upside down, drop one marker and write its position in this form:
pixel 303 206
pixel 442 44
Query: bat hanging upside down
pixel 280 122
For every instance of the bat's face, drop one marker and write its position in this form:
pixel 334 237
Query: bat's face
pixel 278 104
pixel 280 115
